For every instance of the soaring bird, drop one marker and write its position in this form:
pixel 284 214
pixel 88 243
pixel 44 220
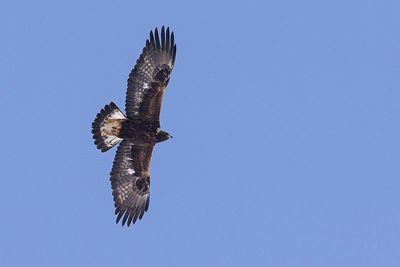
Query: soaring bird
pixel 138 131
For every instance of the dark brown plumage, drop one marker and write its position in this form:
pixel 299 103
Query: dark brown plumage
pixel 139 130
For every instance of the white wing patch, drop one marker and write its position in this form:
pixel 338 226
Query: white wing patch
pixel 139 94
pixel 146 85
pixel 130 171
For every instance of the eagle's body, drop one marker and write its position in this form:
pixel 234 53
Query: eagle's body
pixel 138 131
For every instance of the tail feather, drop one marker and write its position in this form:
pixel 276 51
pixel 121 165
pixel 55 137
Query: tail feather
pixel 107 126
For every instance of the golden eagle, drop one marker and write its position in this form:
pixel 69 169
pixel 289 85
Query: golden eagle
pixel 138 131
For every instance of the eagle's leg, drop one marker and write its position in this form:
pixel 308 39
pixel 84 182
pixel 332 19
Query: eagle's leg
pixel 162 136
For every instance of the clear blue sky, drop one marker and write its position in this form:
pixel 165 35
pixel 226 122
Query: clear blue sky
pixel 285 117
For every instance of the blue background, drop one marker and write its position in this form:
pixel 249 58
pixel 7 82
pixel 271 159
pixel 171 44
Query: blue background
pixel 285 117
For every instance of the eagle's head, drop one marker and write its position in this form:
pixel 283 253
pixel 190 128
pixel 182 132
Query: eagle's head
pixel 162 136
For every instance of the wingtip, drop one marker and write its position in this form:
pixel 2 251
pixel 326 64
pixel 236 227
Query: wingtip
pixel 130 219
pixel 167 41
pixel 152 39
pixel 126 216
pixel 121 212
pixel 162 38
pixel 174 55
pixel 157 37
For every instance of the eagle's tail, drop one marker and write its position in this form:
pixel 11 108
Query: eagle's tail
pixel 107 126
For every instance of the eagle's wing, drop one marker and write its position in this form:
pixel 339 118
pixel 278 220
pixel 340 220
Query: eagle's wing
pixel 130 181
pixel 150 77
